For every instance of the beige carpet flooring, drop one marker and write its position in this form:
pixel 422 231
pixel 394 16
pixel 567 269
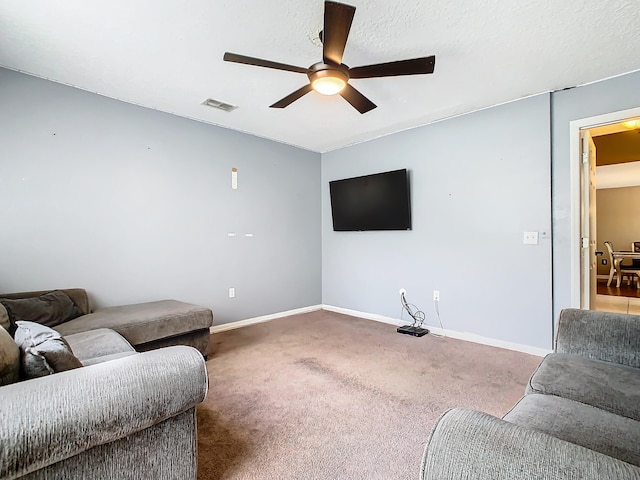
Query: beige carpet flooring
pixel 328 396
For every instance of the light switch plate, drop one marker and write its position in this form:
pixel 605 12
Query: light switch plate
pixel 530 238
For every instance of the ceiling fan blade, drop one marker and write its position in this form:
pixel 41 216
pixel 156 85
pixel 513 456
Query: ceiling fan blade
pixel 234 57
pixel 393 69
pixel 337 23
pixel 292 97
pixel 358 100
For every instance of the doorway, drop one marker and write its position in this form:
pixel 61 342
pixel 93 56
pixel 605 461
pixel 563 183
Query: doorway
pixel 590 260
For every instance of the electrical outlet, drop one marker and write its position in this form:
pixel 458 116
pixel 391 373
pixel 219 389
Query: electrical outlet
pixel 436 295
pixel 232 292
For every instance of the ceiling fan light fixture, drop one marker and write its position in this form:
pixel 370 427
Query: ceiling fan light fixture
pixel 329 85
pixel 329 81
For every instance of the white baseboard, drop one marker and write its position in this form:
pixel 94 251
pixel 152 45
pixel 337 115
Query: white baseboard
pixel 265 318
pixel 368 316
pixel 467 336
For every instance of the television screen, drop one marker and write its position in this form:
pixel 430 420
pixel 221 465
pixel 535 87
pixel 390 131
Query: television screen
pixel 372 202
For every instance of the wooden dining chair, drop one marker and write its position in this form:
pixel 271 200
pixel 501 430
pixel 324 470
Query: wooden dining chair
pixel 625 270
pixel 612 268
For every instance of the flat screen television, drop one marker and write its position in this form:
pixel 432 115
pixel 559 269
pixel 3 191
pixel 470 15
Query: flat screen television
pixel 373 202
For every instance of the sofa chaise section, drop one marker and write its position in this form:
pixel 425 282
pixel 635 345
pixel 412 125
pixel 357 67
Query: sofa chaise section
pixel 146 326
pixel 150 325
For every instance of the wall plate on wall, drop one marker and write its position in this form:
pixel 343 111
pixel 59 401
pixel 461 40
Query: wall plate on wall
pixel 530 238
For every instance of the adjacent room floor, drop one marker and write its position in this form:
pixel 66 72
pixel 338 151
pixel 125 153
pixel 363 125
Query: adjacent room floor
pixel 609 303
pixel 623 299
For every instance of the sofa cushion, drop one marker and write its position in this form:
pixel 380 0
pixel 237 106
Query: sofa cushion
pixel 144 322
pixel 4 318
pixel 9 359
pixel 606 385
pixel 43 351
pixel 100 345
pixel 50 309
pixel 607 336
pixel 582 424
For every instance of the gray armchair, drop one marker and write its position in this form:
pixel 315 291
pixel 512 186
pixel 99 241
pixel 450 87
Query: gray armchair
pixel 579 418
pixel 467 444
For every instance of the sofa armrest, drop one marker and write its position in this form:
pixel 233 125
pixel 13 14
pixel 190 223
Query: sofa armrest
pixel 606 336
pixel 470 444
pixel 49 419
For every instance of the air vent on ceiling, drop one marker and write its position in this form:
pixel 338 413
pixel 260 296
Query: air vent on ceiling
pixel 210 102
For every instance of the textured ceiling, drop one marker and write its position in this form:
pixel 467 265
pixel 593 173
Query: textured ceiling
pixel 168 56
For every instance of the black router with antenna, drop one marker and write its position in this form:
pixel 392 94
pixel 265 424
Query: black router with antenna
pixel 418 316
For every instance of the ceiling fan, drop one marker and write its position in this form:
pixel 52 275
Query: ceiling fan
pixel 331 76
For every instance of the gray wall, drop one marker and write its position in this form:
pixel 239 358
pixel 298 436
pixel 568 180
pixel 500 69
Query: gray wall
pixel 600 98
pixel 478 182
pixel 135 205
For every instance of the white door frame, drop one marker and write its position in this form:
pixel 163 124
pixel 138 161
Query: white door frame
pixel 575 161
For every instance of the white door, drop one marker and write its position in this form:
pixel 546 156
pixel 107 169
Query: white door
pixel 588 262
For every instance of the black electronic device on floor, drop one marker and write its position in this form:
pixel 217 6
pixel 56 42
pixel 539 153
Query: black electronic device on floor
pixel 416 329
pixel 411 330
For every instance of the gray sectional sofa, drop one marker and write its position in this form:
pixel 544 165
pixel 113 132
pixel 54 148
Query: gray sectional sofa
pixel 579 417
pixel 100 409
pixel 146 326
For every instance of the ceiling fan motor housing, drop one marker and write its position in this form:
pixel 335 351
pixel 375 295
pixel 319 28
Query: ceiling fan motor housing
pixel 319 70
